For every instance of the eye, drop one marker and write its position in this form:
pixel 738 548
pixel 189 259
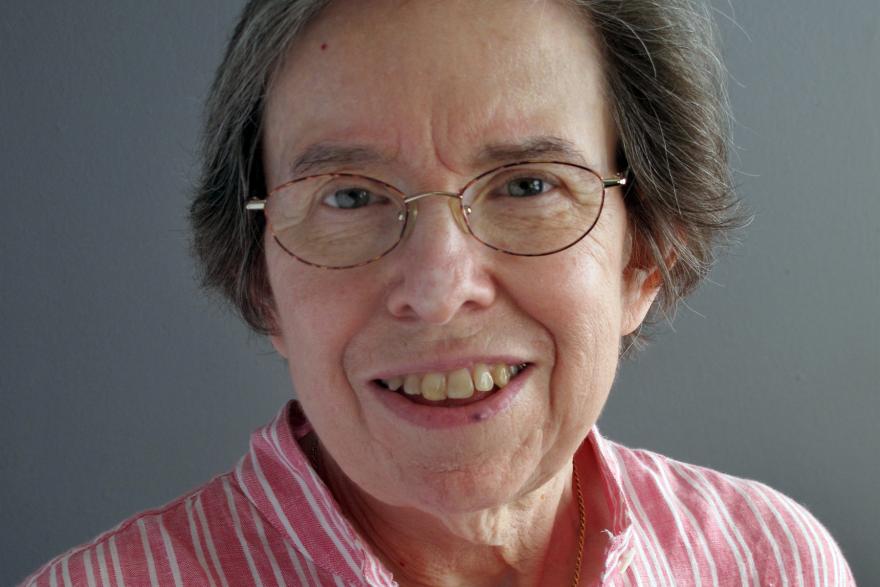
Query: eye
pixel 349 198
pixel 523 187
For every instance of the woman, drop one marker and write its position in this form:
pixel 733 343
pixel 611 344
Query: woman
pixel 452 220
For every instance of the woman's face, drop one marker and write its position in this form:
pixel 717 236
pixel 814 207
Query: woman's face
pixel 431 88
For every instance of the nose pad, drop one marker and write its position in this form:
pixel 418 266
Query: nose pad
pixel 454 207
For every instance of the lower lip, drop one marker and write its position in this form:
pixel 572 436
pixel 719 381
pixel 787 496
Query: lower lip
pixel 450 417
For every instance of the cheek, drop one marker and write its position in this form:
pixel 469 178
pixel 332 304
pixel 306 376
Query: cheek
pixel 318 318
pixel 318 313
pixel 584 302
pixel 582 313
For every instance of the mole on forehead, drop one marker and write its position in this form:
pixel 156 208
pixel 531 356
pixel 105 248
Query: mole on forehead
pixel 323 155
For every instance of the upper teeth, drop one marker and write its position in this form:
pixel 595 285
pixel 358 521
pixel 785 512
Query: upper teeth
pixel 458 384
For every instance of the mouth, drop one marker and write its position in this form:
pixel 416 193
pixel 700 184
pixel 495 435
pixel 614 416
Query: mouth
pixel 460 387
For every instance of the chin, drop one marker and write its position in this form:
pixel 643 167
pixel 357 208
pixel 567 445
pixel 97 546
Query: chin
pixel 460 492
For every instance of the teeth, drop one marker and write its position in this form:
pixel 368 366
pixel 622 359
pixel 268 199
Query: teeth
pixel 459 384
pixel 412 385
pixel 500 375
pixel 482 378
pixel 434 387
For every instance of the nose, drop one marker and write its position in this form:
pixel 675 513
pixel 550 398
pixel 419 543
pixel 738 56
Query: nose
pixel 439 269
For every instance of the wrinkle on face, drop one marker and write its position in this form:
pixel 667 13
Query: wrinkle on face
pixel 421 94
pixel 449 86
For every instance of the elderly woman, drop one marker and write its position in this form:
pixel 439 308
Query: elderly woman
pixel 452 219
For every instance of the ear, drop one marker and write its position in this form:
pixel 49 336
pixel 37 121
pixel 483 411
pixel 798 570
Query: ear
pixel 279 343
pixel 268 313
pixel 640 291
pixel 275 334
pixel 641 284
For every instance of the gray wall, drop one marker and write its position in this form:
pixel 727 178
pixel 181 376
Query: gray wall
pixel 122 387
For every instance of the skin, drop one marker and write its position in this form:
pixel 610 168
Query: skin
pixel 430 84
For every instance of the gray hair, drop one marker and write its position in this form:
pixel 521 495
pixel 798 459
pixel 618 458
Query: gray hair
pixel 667 93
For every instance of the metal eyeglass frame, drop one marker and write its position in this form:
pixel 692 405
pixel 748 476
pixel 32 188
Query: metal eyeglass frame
pixel 253 204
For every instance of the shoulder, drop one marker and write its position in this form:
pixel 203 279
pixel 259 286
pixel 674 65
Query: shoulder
pixel 217 535
pixel 151 547
pixel 723 523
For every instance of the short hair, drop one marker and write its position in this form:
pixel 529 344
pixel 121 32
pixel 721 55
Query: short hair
pixel 667 94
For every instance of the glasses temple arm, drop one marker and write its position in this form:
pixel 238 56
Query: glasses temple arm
pixel 613 182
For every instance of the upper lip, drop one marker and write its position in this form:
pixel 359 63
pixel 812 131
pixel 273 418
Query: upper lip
pixel 445 364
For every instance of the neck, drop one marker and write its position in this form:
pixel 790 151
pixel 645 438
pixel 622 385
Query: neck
pixel 508 544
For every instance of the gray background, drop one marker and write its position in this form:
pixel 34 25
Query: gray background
pixel 122 386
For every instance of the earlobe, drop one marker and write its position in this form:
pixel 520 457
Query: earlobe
pixel 270 320
pixel 642 278
pixel 641 289
pixel 279 344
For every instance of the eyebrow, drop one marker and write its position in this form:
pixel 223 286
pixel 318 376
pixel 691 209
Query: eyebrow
pixel 544 147
pixel 323 156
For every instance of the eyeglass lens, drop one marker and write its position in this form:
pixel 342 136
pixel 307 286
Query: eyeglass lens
pixel 346 220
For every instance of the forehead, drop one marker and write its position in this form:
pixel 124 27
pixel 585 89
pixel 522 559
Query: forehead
pixel 442 79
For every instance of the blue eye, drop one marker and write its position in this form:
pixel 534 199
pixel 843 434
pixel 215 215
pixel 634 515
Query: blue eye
pixel 523 187
pixel 349 198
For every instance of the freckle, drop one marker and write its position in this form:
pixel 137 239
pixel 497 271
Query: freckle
pixel 323 46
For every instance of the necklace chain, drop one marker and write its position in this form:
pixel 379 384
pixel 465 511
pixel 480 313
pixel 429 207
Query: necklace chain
pixel 582 517
pixel 582 527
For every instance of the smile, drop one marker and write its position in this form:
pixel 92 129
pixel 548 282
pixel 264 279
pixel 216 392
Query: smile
pixel 453 388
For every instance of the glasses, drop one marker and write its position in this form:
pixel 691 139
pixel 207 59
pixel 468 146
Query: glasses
pixel 343 220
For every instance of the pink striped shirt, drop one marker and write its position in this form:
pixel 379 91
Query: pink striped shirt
pixel 272 521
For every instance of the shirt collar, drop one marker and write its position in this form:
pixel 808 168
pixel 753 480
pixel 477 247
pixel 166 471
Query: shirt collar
pixel 622 535
pixel 278 465
pixel 290 496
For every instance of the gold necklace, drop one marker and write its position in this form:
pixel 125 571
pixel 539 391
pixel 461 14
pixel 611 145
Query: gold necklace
pixel 582 517
pixel 582 527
